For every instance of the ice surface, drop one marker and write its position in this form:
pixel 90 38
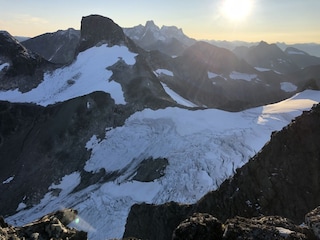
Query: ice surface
pixel 176 97
pixel 87 74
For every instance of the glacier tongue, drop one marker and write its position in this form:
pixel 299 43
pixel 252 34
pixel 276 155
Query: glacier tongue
pixel 203 148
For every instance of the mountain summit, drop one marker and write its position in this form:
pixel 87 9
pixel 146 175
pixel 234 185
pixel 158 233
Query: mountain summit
pixel 97 29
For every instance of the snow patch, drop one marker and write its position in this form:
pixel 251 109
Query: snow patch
pixel 8 180
pixel 176 97
pixel 158 72
pixel 296 52
pixel 212 75
pixel 284 232
pixel 260 69
pixel 242 76
pixel 3 66
pixel 86 75
pixel 288 87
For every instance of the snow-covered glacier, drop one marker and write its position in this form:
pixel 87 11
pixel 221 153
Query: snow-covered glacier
pixel 203 147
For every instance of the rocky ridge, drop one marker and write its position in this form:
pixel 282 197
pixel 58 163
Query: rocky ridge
pixel 58 47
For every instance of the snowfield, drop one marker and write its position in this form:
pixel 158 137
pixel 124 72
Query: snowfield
pixel 85 75
pixel 288 87
pixel 176 97
pixel 203 148
pixel 242 76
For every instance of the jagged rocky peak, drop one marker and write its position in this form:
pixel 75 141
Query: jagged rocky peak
pixel 19 67
pixel 12 50
pixel 151 25
pixel 98 29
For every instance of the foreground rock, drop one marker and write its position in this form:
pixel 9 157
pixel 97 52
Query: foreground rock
pixel 204 226
pixel 51 226
pixel 312 219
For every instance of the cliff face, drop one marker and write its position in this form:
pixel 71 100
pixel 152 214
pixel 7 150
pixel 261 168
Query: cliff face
pixel 97 29
pixel 282 179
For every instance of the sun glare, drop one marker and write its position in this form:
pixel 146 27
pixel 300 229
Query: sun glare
pixel 236 10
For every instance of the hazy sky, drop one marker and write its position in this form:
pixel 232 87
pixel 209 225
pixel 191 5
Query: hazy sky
pixel 290 21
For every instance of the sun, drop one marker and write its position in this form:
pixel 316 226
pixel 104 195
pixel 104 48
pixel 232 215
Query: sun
pixel 236 10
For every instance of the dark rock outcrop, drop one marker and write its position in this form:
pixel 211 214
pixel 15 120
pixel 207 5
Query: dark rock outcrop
pixel 163 220
pixel 282 179
pixel 51 226
pixel 151 169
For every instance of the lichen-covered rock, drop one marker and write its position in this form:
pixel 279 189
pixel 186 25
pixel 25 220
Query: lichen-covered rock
pixel 200 226
pixel 51 226
pixel 312 219
pixel 265 228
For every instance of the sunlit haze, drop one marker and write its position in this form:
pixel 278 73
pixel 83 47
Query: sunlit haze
pixel 290 21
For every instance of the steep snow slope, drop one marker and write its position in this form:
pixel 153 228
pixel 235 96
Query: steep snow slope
pixel 203 148
pixel 86 74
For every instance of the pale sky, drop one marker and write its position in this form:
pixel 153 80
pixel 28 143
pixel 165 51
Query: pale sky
pixel 290 21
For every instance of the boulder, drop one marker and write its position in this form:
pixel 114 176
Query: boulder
pixel 201 226
pixel 312 219
pixel 50 226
